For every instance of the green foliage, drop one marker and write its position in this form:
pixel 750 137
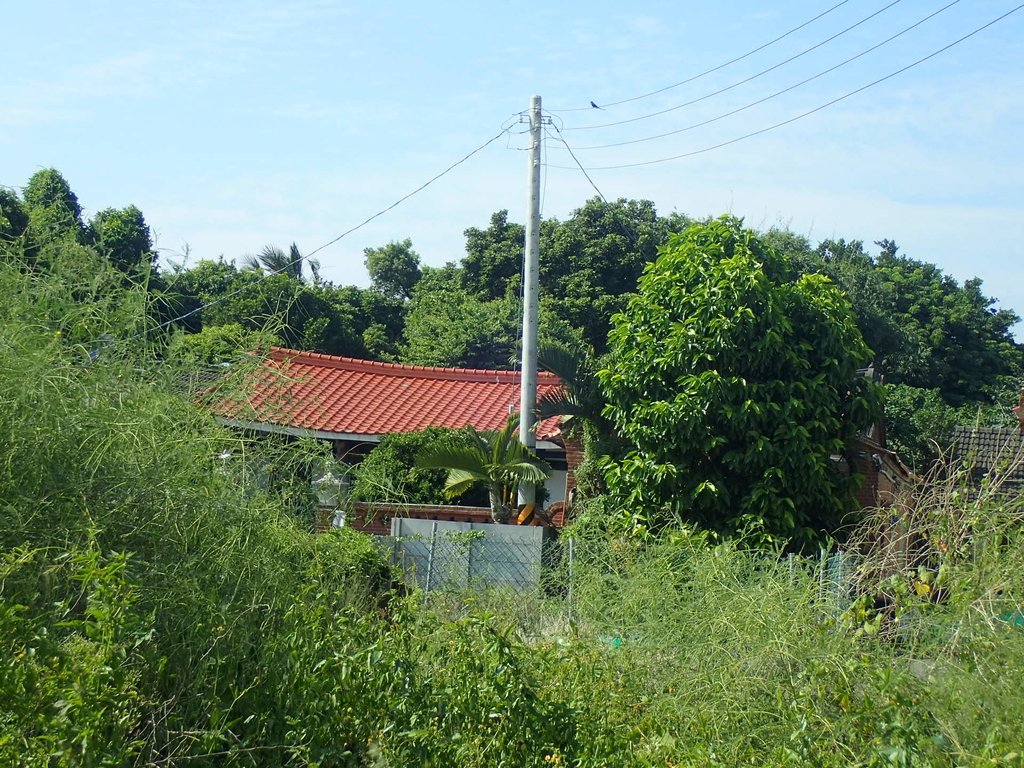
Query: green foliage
pixel 495 459
pixel 448 327
pixel 592 261
pixel 736 387
pixel 394 268
pixel 53 209
pixel 588 262
pixel 926 330
pixel 451 328
pixel 123 237
pixel 494 257
pixel 214 346
pixel 920 423
pixel 73 697
pixel 141 576
pixel 275 261
pixel 13 219
pixel 389 473
pixel 969 343
pixel 300 315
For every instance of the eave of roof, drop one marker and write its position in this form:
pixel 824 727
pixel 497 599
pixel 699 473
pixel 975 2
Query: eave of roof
pixel 327 394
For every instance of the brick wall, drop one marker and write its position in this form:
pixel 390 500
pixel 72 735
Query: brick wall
pixel 573 457
pixel 375 517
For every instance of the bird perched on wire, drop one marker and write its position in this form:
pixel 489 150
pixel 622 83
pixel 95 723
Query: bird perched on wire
pixel 596 107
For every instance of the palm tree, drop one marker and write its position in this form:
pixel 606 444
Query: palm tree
pixel 580 404
pixel 495 458
pixel 275 261
pixel 579 399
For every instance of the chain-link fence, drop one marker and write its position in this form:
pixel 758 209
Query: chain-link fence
pixel 455 560
pixel 452 557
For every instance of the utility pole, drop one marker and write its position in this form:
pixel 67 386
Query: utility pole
pixel 531 270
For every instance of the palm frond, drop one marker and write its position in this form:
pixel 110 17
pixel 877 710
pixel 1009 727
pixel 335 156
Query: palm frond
pixel 559 403
pixel 250 262
pixel 565 363
pixel 458 482
pixel 467 458
pixel 525 472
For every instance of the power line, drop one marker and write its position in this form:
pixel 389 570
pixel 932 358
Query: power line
pixel 578 163
pixel 740 82
pixel 329 243
pixel 809 112
pixel 777 93
pixel 631 237
pixel 713 69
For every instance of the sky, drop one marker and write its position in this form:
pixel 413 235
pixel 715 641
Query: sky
pixel 234 125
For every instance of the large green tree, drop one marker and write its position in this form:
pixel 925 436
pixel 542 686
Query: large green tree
pixel 449 327
pixel 588 263
pixel 591 261
pixel 394 268
pixel 968 344
pixel 53 209
pixel 736 386
pixel 925 329
pixel 123 236
pixel 494 257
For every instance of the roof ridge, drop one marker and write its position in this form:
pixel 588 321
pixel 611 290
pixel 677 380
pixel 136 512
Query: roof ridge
pixel 483 375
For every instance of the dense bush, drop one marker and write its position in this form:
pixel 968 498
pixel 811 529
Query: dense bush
pixel 389 473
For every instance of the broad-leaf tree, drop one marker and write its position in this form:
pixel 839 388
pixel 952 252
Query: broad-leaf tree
pixel 394 268
pixel 53 210
pixel 737 388
pixel 123 236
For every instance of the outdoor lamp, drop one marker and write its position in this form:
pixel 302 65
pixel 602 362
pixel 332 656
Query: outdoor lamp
pixel 327 488
pixel 331 490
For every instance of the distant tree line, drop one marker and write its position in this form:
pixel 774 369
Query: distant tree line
pixel 947 354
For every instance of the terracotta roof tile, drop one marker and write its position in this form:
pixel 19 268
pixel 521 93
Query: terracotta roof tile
pixel 326 393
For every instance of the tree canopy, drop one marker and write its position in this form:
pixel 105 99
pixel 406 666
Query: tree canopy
pixel 123 236
pixel 394 268
pixel 927 331
pixel 736 386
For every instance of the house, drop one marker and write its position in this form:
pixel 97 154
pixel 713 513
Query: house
pixel 885 476
pixel 993 454
pixel 352 403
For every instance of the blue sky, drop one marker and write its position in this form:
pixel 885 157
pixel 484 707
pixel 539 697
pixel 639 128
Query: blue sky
pixel 233 125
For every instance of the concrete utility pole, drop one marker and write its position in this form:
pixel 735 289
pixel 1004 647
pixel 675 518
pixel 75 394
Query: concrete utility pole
pixel 531 270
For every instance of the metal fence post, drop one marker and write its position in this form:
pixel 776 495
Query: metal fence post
pixel 572 556
pixel 430 554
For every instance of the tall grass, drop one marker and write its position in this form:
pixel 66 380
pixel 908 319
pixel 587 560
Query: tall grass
pixel 157 608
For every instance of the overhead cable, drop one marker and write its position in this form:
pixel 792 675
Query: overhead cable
pixel 737 84
pixel 713 69
pixel 809 112
pixel 777 93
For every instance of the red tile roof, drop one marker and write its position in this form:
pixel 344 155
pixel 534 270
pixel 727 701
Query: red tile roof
pixel 325 393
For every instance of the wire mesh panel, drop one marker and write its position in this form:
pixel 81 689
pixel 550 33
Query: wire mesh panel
pixel 450 556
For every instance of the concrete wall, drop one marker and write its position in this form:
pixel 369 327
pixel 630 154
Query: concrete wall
pixel 454 556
